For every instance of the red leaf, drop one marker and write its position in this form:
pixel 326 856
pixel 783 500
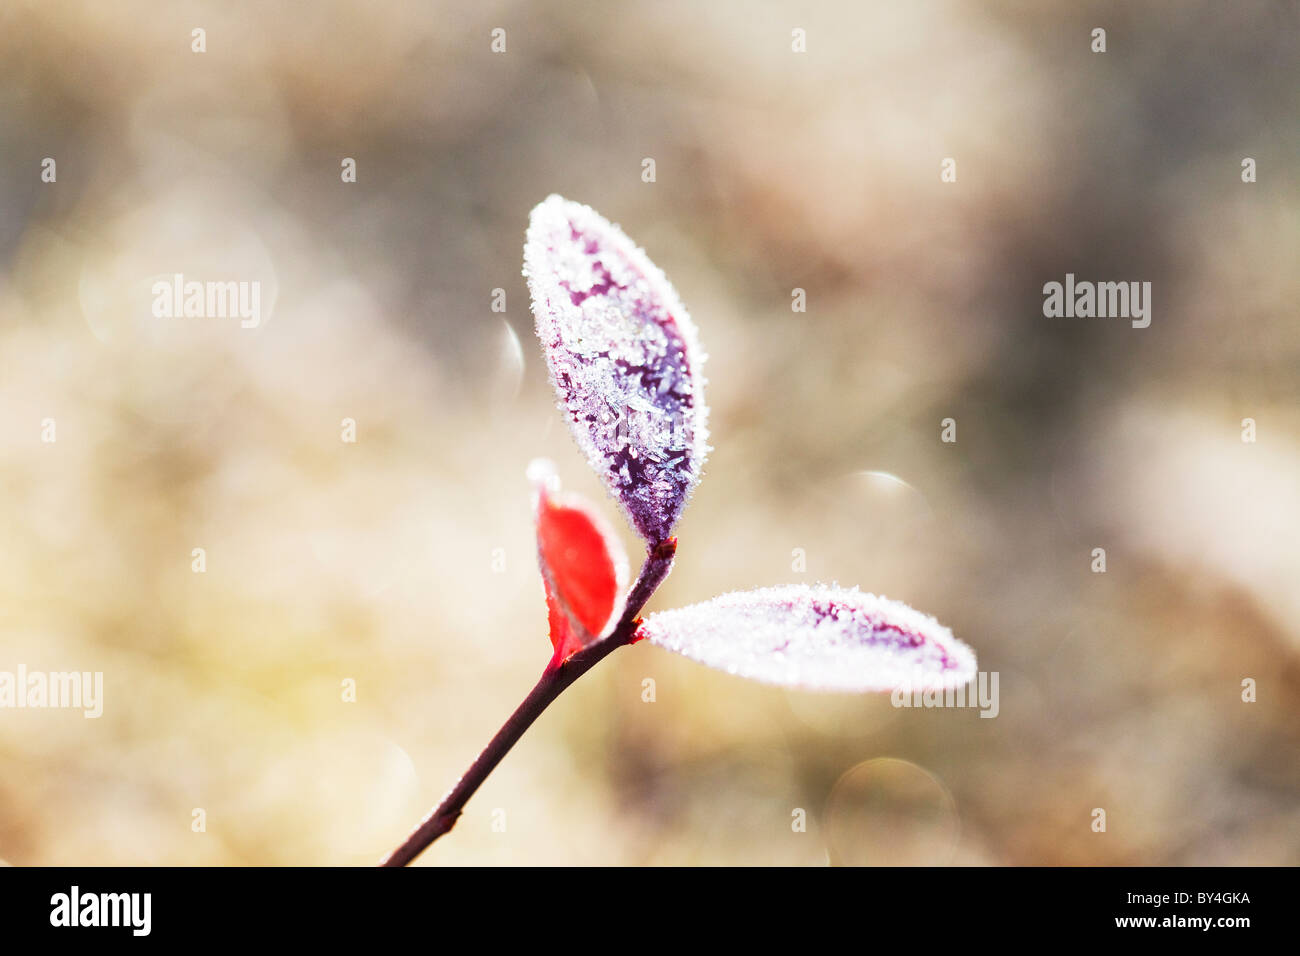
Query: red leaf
pixel 583 567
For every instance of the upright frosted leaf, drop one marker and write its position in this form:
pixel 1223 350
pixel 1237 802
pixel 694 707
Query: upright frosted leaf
pixel 623 358
pixel 816 638
pixel 583 566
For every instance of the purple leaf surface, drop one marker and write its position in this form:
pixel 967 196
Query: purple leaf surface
pixel 816 638
pixel 623 358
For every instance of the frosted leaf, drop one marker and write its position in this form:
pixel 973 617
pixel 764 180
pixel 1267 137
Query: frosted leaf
pixel 816 638
pixel 623 358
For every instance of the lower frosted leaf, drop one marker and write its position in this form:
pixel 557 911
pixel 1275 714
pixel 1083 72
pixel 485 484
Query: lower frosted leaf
pixel 816 638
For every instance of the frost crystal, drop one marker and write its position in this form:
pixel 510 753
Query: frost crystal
pixel 623 359
pixel 816 638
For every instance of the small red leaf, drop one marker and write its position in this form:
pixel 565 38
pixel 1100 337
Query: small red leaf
pixel 583 567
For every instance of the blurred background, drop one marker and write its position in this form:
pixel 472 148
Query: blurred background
pixel 403 562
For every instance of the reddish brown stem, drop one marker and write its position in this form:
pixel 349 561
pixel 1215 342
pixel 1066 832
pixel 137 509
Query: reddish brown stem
pixel 553 682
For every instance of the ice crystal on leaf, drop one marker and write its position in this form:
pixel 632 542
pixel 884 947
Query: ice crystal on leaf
pixel 816 638
pixel 583 565
pixel 623 358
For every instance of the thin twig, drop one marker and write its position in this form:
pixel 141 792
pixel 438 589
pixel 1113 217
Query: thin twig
pixel 553 682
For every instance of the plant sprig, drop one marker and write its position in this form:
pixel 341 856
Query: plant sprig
pixel 626 366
